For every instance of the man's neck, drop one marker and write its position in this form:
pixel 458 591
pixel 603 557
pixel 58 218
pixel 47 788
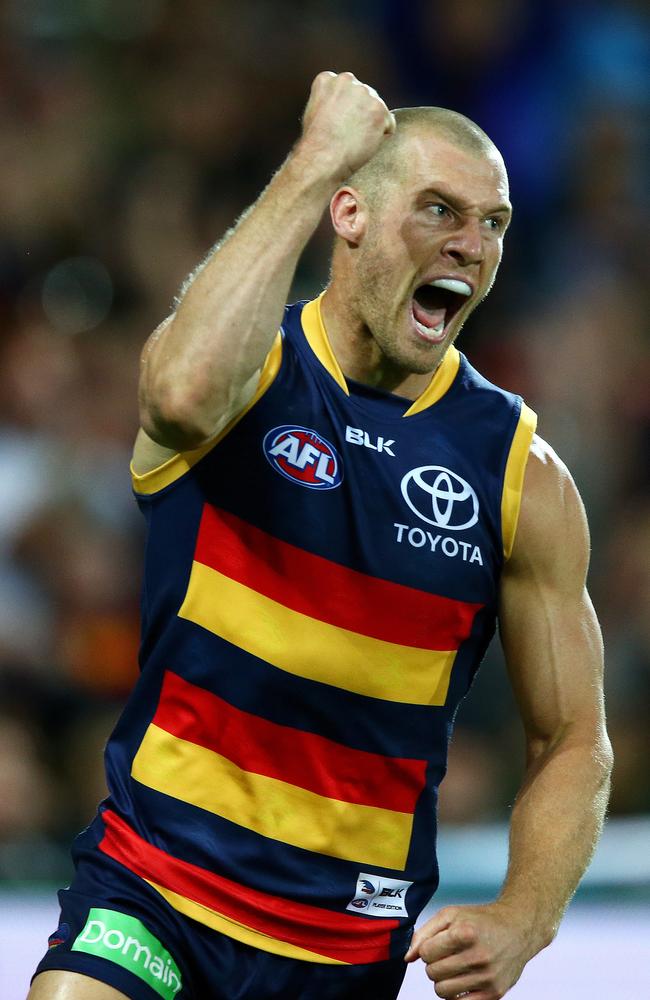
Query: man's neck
pixel 358 354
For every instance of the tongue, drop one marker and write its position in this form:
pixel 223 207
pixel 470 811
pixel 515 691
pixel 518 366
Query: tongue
pixel 431 318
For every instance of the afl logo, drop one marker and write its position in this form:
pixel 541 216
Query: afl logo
pixel 440 497
pixel 360 904
pixel 303 456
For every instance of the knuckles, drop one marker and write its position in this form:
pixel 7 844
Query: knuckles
pixel 465 956
pixel 481 959
pixel 486 991
pixel 323 78
pixel 327 78
pixel 337 85
pixel 464 934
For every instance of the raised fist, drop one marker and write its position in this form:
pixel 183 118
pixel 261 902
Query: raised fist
pixel 344 123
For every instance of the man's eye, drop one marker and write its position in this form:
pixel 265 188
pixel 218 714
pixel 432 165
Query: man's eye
pixel 495 223
pixel 439 210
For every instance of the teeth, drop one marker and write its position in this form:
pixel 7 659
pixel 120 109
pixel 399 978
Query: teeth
pixel 431 333
pixel 452 285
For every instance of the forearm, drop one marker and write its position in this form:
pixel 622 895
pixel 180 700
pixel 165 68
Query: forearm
pixel 199 368
pixel 231 309
pixel 555 825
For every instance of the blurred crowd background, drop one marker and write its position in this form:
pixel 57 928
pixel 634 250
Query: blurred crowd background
pixel 132 136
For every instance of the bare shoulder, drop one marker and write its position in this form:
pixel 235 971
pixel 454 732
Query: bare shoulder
pixel 552 531
pixel 548 626
pixel 547 480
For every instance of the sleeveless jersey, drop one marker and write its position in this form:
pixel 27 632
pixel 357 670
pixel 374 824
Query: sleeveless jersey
pixel 320 585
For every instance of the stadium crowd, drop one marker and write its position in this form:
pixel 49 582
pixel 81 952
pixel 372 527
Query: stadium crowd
pixel 133 135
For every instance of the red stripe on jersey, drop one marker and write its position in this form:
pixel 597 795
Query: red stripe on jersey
pixel 341 936
pixel 300 758
pixel 325 590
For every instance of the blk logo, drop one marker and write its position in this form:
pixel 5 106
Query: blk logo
pixel 379 896
pixel 355 435
pixel 440 497
pixel 302 455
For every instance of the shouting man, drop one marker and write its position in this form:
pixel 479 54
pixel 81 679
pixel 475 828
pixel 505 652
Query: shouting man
pixel 338 515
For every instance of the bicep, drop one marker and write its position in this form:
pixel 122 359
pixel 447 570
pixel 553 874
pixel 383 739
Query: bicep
pixel 549 630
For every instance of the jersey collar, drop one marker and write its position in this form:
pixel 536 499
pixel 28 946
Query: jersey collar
pixel 316 336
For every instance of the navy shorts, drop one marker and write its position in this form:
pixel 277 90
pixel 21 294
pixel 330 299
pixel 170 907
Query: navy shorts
pixel 117 929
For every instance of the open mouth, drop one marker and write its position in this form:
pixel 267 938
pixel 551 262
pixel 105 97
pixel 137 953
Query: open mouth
pixel 435 304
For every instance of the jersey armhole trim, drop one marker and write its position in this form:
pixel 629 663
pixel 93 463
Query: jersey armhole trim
pixel 514 476
pixel 178 465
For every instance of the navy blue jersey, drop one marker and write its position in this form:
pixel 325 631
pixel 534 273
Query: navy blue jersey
pixel 320 586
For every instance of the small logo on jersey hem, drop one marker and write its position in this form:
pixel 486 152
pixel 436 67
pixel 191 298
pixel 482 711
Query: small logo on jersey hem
pixel 303 456
pixel 377 896
pixel 60 936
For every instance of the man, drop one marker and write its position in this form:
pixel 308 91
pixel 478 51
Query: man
pixel 336 516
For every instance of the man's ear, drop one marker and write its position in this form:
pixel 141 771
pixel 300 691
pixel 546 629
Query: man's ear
pixel 349 214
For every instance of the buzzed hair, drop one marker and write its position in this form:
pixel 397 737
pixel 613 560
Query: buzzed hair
pixel 450 125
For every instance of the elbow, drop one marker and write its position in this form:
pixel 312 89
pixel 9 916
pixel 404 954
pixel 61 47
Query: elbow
pixel 604 756
pixel 603 766
pixel 589 744
pixel 177 399
pixel 601 749
pixel 599 761
pixel 174 418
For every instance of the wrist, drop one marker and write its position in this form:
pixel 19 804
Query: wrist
pixel 318 165
pixel 536 927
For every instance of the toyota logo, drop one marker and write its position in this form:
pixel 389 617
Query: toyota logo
pixel 440 497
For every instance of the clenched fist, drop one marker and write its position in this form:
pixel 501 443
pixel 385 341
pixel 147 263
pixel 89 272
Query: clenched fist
pixel 344 123
pixel 475 950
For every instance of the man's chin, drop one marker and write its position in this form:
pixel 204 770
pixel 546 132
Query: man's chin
pixel 424 356
pixel 411 354
pixel 430 366
pixel 418 362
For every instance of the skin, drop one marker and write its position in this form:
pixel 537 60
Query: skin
pixel 553 649
pixel 71 986
pixel 446 217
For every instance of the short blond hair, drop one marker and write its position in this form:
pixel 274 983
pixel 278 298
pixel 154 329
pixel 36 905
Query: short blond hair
pixel 387 164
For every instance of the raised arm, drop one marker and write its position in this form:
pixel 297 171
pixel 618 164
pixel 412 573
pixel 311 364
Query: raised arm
pixel 201 365
pixel 553 649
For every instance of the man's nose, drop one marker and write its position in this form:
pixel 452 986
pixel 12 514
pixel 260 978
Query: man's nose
pixel 465 244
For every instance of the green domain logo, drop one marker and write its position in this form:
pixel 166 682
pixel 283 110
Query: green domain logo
pixel 124 940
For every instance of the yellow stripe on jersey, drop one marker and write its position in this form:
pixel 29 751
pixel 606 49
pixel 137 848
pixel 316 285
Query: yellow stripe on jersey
pixel 442 379
pixel 314 649
pixel 240 932
pixel 275 809
pixel 316 336
pixel 514 476
pixel 176 466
